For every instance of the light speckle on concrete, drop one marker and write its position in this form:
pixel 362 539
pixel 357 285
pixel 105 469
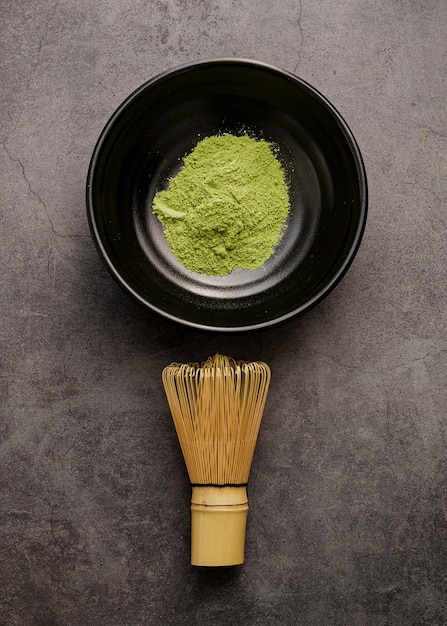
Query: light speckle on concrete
pixel 348 517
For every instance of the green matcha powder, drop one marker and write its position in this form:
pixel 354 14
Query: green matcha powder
pixel 226 207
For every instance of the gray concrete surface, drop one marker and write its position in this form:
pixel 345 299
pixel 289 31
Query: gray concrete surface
pixel 348 519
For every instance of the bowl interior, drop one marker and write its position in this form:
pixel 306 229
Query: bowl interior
pixel 142 147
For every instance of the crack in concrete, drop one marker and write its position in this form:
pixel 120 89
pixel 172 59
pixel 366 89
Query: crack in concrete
pixel 416 360
pixel 346 365
pixel 381 370
pixel 60 545
pixel 434 131
pixel 28 183
pixel 57 542
pixel 38 197
pixel 301 35
pixel 66 385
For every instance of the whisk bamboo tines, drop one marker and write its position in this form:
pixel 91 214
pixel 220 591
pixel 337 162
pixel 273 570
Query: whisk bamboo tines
pixel 217 409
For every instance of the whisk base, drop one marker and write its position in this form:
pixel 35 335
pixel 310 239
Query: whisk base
pixel 218 525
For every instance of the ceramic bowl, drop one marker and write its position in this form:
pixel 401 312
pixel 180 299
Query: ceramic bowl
pixel 141 149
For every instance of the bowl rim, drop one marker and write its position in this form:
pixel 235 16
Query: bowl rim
pixel 336 116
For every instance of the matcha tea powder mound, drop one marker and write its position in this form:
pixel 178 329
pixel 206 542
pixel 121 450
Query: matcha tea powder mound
pixel 227 206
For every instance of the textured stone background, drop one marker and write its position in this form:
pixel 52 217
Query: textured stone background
pixel 348 521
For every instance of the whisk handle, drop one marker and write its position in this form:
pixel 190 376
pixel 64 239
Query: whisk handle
pixel 218 524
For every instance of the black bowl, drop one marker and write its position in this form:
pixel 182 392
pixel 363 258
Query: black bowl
pixel 142 147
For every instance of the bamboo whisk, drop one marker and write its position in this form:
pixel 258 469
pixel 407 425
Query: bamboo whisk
pixel 217 409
